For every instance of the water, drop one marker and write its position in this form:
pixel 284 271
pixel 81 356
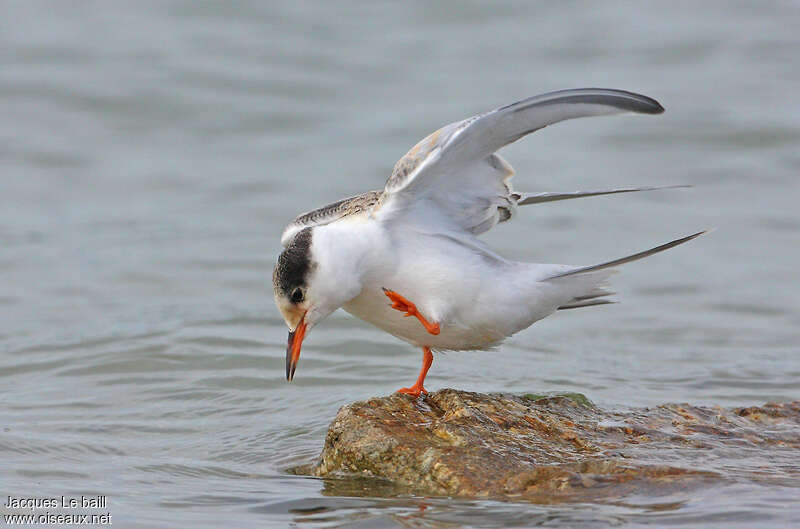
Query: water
pixel 151 153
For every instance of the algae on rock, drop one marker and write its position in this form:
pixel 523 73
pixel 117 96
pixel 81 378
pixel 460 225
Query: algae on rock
pixel 455 443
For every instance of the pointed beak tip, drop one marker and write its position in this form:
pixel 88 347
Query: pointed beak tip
pixel 293 345
pixel 290 374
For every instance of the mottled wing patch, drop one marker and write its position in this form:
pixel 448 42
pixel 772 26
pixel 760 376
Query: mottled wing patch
pixel 337 210
pixel 404 169
pixel 406 165
pixel 331 212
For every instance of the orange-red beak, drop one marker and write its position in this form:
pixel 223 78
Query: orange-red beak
pixel 293 348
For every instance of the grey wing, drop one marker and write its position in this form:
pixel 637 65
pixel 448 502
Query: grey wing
pixel 330 213
pixel 456 169
pixel 523 199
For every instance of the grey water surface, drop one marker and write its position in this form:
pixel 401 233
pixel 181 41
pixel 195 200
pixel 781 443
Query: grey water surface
pixel 151 153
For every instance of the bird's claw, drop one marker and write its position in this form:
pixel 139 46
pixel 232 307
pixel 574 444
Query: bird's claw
pixel 400 303
pixel 413 391
pixel 403 305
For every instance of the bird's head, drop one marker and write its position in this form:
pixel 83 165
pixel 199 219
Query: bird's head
pixel 307 286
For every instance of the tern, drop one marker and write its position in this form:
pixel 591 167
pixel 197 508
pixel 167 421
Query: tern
pixel 407 258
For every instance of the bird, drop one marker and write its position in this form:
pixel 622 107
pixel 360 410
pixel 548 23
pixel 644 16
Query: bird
pixel 407 258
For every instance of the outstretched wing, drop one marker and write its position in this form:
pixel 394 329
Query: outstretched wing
pixel 456 170
pixel 327 214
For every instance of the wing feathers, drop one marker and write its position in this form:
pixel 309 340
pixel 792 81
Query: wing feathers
pixel 628 259
pixel 451 166
pixel 524 199
pixel 496 129
pixel 621 99
pixel 330 213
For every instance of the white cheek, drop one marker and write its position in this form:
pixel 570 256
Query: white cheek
pixel 292 313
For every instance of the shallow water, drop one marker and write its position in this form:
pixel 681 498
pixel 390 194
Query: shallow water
pixel 151 153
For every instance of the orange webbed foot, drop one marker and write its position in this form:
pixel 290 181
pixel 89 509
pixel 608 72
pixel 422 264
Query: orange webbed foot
pixel 414 391
pixel 403 305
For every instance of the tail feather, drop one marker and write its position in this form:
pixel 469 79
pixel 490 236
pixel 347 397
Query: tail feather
pixel 597 296
pixel 583 290
pixel 587 303
pixel 596 293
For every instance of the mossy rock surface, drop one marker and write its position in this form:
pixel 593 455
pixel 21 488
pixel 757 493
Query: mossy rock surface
pixel 578 398
pixel 543 446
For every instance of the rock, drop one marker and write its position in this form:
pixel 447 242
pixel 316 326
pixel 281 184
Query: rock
pixel 455 443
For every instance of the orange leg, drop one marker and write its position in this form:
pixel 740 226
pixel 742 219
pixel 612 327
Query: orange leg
pixel 416 389
pixel 403 305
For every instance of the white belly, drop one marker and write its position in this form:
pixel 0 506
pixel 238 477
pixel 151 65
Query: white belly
pixel 374 307
pixel 476 304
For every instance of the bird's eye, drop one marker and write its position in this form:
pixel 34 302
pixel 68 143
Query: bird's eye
pixel 297 295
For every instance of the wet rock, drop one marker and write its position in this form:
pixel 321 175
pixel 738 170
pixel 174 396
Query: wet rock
pixel 455 443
